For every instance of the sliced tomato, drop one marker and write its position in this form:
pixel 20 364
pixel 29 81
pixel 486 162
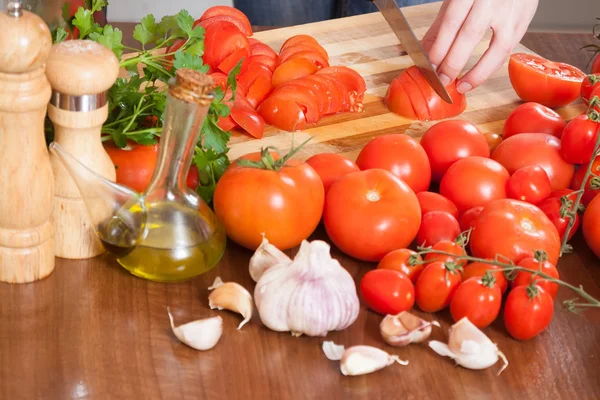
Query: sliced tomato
pixel 226 123
pixel 233 59
pixel 294 40
pixel 311 55
pixel 415 96
pixel 252 73
pixel 397 100
pixel 250 121
pixel 260 49
pixel 434 106
pixel 341 90
pixel 227 11
pixel 307 46
pixel 305 97
pixel 220 79
pixel 292 69
pixel 259 90
pixel 227 18
pixel 353 81
pixel 282 113
pixel 334 101
pixel 318 88
pixel 241 102
pixel 252 41
pixel 221 39
pixel 267 61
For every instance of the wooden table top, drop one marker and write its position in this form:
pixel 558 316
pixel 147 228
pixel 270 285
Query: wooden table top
pixel 93 331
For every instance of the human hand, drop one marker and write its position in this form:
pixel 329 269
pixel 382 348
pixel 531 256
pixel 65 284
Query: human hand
pixel 459 27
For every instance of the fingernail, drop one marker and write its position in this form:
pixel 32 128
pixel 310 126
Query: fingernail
pixel 464 87
pixel 445 79
pixel 434 67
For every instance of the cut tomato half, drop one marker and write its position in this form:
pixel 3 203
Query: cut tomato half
pixel 266 61
pixel 305 97
pixel 258 49
pixel 232 13
pixel 397 100
pixel 221 39
pixel 242 103
pixel 292 69
pixel 259 90
pixel 310 55
pixel 319 89
pixel 353 81
pixel 334 100
pixel 226 123
pixel 294 40
pixel 306 46
pixel 220 79
pixel 252 73
pixel 415 96
pixel 250 121
pixel 341 89
pixel 233 59
pixel 282 113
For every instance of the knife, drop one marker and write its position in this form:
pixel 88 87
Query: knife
pixel 397 21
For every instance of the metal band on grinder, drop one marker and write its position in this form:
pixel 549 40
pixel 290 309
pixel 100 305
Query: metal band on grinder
pixel 84 103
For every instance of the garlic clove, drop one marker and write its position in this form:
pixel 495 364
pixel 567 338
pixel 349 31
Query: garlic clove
pixel 404 328
pixel 265 257
pixel 333 351
pixel 360 360
pixel 202 334
pixel 469 347
pixel 233 297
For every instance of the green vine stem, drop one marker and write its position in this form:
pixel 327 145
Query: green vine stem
pixel 510 271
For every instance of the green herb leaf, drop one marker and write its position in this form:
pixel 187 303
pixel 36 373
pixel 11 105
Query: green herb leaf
pixel 98 5
pixel 110 38
pixel 196 47
pixel 168 25
pixel 197 33
pixel 185 21
pixel 231 78
pixel 187 60
pixel 84 20
pixel 146 31
pixel 214 137
pixel 59 35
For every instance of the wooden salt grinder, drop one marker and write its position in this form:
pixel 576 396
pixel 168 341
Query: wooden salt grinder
pixel 26 182
pixel 80 73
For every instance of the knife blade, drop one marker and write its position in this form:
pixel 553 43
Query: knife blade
pixel 397 21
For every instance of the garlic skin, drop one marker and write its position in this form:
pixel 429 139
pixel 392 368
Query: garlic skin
pixel 360 360
pixel 405 328
pixel 469 347
pixel 265 257
pixel 202 334
pixel 312 295
pixel 233 297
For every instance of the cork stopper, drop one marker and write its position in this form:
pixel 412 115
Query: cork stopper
pixel 80 67
pixel 25 40
pixel 192 86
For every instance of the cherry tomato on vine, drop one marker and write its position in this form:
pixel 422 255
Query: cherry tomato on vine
pixel 530 184
pixel 588 85
pixel 331 167
pixel 525 278
pixel 430 201
pixel 528 311
pixel 591 225
pixel 589 192
pixel 446 246
pixel 552 207
pixel 477 299
pixel 478 269
pixel 404 261
pixel 436 286
pixel 579 139
pixel 386 291
pixel 437 226
pixel 533 117
pixel 468 218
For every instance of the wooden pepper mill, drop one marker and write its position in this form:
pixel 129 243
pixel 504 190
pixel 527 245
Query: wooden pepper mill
pixel 80 73
pixel 26 180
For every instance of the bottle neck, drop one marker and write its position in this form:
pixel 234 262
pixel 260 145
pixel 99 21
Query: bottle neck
pixel 183 123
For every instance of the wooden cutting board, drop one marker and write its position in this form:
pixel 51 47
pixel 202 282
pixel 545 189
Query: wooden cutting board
pixel 367 44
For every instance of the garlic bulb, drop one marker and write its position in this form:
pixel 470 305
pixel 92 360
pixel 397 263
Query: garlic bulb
pixel 405 328
pixel 231 296
pixel 312 295
pixel 202 334
pixel 359 360
pixel 469 347
pixel 266 256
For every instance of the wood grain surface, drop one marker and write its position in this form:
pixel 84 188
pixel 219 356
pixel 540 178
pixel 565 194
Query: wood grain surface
pixel 93 331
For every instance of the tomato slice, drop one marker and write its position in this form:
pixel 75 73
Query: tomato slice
pixel 259 90
pixel 221 39
pixel 252 73
pixel 353 81
pixel 282 113
pixel 226 123
pixel 250 121
pixel 334 100
pixel 292 69
pixel 242 103
pixel 434 102
pixel 294 40
pixel 415 96
pixel 267 61
pixel 305 97
pixel 252 41
pixel 311 55
pixel 397 100
pixel 233 59
pixel 306 46
pixel 319 90
pixel 220 79
pixel 341 90
pixel 261 49
pixel 231 12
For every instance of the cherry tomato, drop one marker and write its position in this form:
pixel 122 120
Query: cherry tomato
pixel 436 286
pixel 292 69
pixel 530 184
pixel 588 85
pixel 539 80
pixel 468 218
pixel 331 167
pixel 446 246
pixel 478 301
pixel 400 154
pixel 535 149
pixel 234 13
pixel 370 213
pixel 405 261
pixel 579 139
pixel 533 118
pixel 589 193
pixel 387 291
pixel 591 225
pixel 220 40
pixel 285 204
pixel 478 269
pixel 474 181
pixel 525 278
pixel 430 201
pixel 514 229
pixel 493 140
pixel 437 226
pixel 552 208
pixel 527 312
pixel 596 65
pixel 449 141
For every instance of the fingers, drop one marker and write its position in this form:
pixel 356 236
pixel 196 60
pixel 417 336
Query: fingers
pixel 469 36
pixel 432 33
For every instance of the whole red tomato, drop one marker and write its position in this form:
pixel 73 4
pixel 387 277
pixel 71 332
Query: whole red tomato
pixel 331 167
pixel 387 291
pixel 533 118
pixel 468 218
pixel 527 312
pixel 588 85
pixel 449 141
pixel 478 269
pixel 474 181
pixel 530 184
pixel 477 299
pixel 430 201
pixel 493 140
pixel 514 229
pixel 591 225
pixel 525 278
pixel 404 261
pixel 436 286
pixel 370 213
pixel 579 139
pixel 552 207
pixel 285 203
pixel 446 246
pixel 535 149
pixel 437 226
pixel 400 154
pixel 589 193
